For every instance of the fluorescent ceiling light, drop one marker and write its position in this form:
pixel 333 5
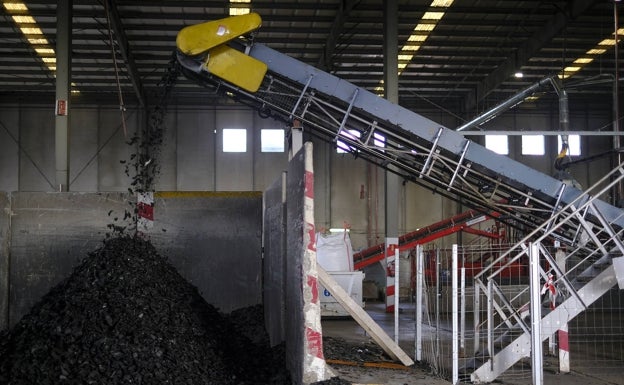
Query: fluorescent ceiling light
pixel 23 19
pixel 418 38
pixel 590 55
pixel 607 42
pixel 44 51
pixel 14 6
pixel 34 35
pixel 38 41
pixel 240 7
pixel 433 15
pixel 28 26
pixel 583 60
pixel 424 27
pixel 420 33
pixel 596 51
pixel 31 30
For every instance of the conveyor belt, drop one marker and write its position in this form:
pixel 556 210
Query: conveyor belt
pixel 418 149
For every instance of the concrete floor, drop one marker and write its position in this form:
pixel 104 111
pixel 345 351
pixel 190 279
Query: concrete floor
pixel 349 330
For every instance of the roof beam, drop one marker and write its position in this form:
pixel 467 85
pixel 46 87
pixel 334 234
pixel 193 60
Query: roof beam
pixel 526 51
pixel 325 62
pixel 122 41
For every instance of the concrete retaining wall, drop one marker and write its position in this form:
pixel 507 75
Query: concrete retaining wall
pixel 274 268
pixel 214 239
pixel 5 221
pixel 291 285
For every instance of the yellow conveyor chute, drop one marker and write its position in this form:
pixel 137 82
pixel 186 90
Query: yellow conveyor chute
pixel 208 41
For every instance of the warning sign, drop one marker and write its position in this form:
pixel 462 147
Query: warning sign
pixel 61 107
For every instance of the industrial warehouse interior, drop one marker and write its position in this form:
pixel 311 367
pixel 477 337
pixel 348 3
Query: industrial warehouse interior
pixel 311 192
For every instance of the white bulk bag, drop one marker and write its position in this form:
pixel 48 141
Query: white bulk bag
pixel 334 251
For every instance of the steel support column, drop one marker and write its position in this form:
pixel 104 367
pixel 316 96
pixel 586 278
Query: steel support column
pixel 63 92
pixel 536 316
pixel 391 92
pixel 420 286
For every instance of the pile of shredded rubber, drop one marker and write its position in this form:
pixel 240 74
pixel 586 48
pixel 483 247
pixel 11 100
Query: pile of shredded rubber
pixel 125 316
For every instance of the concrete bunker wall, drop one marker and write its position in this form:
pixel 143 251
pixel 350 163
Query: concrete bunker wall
pixel 213 239
pixel 291 303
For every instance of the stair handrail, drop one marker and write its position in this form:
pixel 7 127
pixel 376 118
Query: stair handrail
pixel 550 222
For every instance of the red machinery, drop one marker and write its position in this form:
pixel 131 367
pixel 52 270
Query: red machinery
pixel 457 223
pixel 460 222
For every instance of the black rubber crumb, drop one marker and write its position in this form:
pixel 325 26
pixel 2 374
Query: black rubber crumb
pixel 125 316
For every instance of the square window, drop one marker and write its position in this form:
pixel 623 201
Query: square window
pixel 234 140
pixel 272 140
pixel 497 143
pixel 574 143
pixel 379 140
pixel 533 145
pixel 342 147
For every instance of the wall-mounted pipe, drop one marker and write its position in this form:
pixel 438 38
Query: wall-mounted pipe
pixel 507 104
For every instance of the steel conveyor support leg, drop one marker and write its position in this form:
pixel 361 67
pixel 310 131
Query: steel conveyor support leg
pixel 420 287
pixel 536 316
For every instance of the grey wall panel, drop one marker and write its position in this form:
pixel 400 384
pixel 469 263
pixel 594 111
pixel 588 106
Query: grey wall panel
pixel 294 326
pixel 196 150
pixel 234 171
pixel 267 166
pixel 9 149
pixel 5 258
pixel 214 240
pixel 51 233
pixel 114 149
pixel 83 150
pixel 189 160
pixel 323 153
pixel 37 163
pixel 167 178
pixel 348 204
pixel 274 267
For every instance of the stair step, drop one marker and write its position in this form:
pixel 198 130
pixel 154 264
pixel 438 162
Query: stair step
pixel 585 278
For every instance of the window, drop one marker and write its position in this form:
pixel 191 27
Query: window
pixel 379 140
pixel 234 140
pixel 272 140
pixel 497 143
pixel 574 142
pixel 343 147
pixel 533 145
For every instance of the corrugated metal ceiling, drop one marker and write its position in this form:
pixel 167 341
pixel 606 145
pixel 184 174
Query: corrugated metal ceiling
pixel 465 65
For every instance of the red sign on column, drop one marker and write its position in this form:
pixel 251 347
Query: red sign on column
pixel 61 107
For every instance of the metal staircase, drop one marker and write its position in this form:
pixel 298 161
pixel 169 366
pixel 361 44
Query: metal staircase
pixel 579 279
pixel 442 160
